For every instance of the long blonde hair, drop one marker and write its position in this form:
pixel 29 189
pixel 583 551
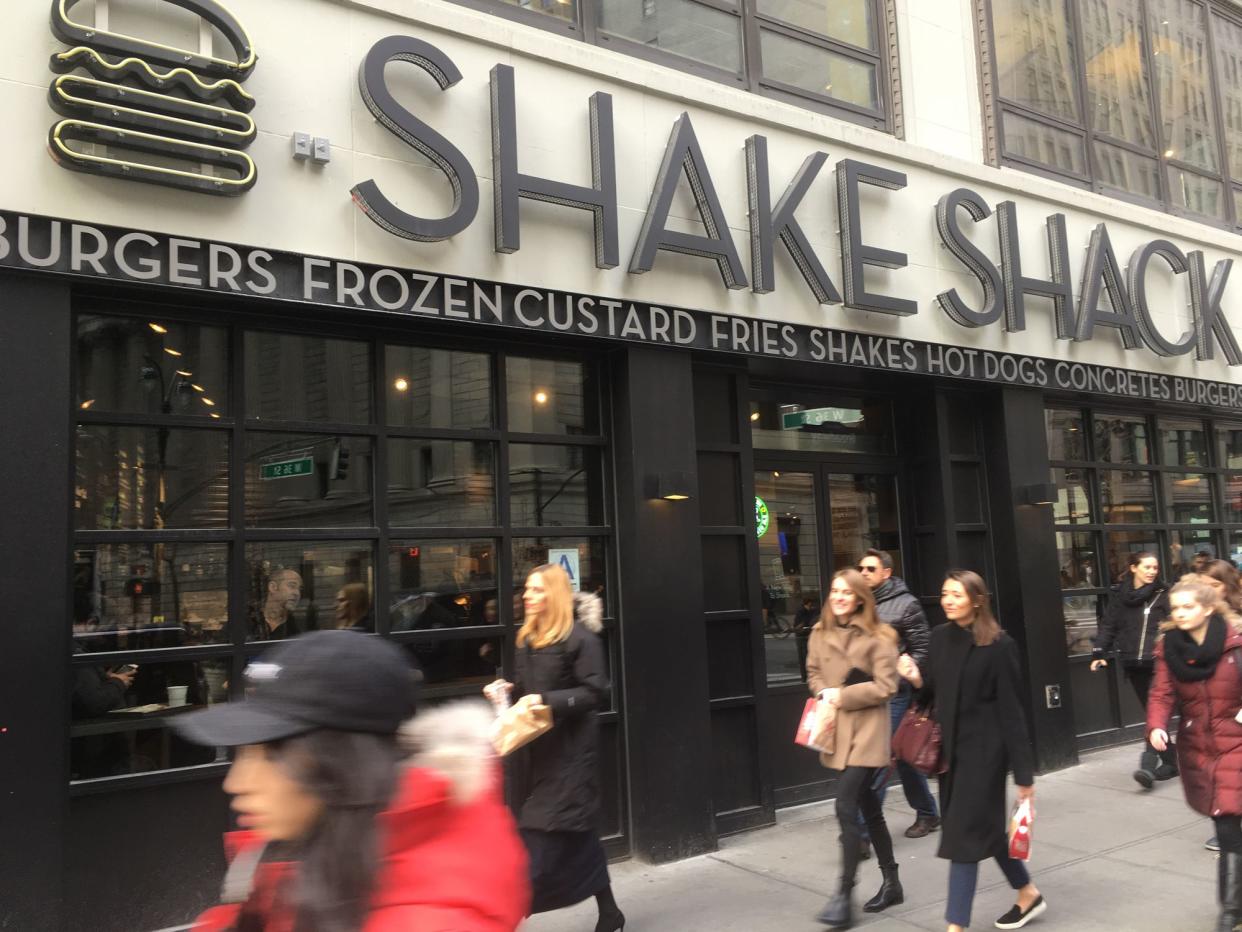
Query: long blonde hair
pixel 864 611
pixel 1198 585
pixel 556 621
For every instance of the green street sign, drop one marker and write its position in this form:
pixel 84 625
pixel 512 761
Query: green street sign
pixel 814 417
pixel 762 518
pixel 304 465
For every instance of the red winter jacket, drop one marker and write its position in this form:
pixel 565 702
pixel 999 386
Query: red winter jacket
pixel 453 859
pixel 1209 739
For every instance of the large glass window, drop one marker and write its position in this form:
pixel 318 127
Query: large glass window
pixel 1135 97
pixel 236 487
pixel 1128 483
pixel 829 54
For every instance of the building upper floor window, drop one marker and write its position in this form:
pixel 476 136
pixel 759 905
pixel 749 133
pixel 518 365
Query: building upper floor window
pixel 1140 99
pixel 825 54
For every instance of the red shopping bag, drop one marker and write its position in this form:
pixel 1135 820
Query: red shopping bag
pixel 817 729
pixel 1020 831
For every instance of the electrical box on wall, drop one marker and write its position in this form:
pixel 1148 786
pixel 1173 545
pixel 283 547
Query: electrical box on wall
pixel 1052 695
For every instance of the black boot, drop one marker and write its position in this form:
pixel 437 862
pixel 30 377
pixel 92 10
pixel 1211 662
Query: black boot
pixel 839 913
pixel 1167 768
pixel 1229 889
pixel 1145 776
pixel 890 893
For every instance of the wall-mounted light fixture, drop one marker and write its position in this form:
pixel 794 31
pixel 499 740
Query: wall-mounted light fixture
pixel 672 486
pixel 1038 493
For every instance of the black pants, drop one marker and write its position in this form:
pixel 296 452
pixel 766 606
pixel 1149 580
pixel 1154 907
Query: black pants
pixel 1229 833
pixel 1140 681
pixel 856 793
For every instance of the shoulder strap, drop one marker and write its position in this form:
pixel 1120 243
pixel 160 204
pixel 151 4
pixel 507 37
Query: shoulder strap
pixel 239 878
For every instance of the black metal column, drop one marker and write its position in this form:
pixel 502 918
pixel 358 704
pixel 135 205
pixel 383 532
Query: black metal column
pixel 663 644
pixel 35 484
pixel 1028 588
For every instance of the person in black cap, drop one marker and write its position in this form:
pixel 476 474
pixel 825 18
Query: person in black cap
pixel 355 815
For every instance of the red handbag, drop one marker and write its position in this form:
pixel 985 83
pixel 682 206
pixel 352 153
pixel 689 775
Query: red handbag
pixel 917 741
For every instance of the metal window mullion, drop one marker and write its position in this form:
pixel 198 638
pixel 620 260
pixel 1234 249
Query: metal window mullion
pixel 239 576
pixel 1149 62
pixel 752 52
pixel 379 504
pixel 1080 85
pixel 828 43
pixel 505 583
pixel 1222 149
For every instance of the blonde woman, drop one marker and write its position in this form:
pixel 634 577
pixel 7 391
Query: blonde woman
pixel 852 663
pixel 1197 670
pixel 560 661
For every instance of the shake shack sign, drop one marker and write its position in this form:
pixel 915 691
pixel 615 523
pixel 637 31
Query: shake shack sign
pixel 42 244
pixel 1106 297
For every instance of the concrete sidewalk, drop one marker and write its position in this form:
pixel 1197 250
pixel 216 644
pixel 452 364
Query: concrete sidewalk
pixel 1106 855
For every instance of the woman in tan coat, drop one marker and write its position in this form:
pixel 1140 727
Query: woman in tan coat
pixel 852 663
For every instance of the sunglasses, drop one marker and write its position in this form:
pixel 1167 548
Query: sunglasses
pixel 867 569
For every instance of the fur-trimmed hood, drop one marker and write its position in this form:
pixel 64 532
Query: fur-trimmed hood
pixel 453 740
pixel 589 611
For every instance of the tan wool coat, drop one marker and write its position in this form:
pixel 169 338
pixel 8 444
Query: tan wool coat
pixel 864 732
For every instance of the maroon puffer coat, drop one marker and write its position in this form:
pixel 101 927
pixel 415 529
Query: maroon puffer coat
pixel 1209 739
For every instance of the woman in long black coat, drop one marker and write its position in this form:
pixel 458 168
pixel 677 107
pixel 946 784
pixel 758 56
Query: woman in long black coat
pixel 972 677
pixel 560 660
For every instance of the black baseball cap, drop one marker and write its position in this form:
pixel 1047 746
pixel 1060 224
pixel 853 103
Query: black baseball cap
pixel 343 680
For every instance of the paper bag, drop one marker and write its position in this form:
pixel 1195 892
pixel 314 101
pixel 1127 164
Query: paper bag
pixel 817 729
pixel 1020 831
pixel 519 724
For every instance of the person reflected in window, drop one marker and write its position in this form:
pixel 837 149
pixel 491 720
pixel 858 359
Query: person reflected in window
pixel 1137 605
pixel 97 691
pixel 804 620
pixel 560 662
pixel 353 608
pixel 852 664
pixel 274 619
pixel 972 680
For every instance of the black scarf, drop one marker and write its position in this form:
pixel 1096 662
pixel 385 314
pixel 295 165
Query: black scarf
pixel 1139 596
pixel 1190 662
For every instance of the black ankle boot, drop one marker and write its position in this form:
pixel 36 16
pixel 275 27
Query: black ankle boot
pixel 1167 768
pixel 1145 776
pixel 890 892
pixel 839 913
pixel 612 921
pixel 1229 890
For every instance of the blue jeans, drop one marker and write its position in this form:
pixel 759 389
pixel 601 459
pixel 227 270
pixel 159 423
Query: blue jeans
pixel 918 793
pixel 964 875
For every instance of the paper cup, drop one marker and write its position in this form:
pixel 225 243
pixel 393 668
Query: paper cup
pixel 176 695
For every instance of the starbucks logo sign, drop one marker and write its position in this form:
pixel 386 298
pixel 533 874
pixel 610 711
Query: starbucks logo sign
pixel 762 518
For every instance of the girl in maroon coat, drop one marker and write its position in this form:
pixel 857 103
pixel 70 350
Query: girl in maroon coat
pixel 1197 667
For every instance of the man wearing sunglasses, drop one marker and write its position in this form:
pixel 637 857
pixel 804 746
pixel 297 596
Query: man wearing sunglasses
pixel 897 607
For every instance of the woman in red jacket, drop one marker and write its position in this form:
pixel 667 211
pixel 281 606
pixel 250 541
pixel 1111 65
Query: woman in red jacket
pixel 1197 667
pixel 355 816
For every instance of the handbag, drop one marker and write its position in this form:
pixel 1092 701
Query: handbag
pixel 1020 831
pixel 817 729
pixel 917 741
pixel 520 724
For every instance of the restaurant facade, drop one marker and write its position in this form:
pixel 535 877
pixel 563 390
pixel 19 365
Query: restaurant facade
pixel 348 313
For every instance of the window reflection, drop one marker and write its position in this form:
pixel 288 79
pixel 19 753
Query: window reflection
pixel 1077 559
pixel 1035 55
pixel 581 557
pixel 791 591
pixel 307 480
pixel 1122 439
pixel 1067 438
pixel 1182 71
pixel 845 20
pixel 819 71
pixel 1073 504
pixel 441 483
pixel 843 424
pixel 1183 442
pixel 290 377
pixel 681 27
pixel 150 478
pixel 1127 496
pixel 443 584
pixel 1187 498
pixel 864 515
pixel 549 396
pixel 121 713
pixel 151 366
pixel 1118 545
pixel 1118 87
pixel 296 587
pixel 1189 552
pixel 438 388
pixel 1082 618
pixel 140 596
pixel 460 667
pixel 555 485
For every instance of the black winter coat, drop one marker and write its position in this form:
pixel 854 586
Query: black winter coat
pixel 976 695
pixel 897 607
pixel 1131 623
pixel 557 774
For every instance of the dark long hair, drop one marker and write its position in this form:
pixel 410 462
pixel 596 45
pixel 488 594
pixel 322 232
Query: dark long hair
pixel 353 775
pixel 985 627
pixel 1134 560
pixel 1225 572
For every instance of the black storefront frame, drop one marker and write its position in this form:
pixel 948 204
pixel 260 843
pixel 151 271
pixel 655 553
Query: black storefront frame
pixel 242 317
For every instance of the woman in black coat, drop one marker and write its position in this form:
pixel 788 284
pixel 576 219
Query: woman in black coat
pixel 972 677
pixel 1137 606
pixel 560 660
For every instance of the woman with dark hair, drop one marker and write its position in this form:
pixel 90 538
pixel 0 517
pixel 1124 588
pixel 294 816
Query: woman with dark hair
pixel 973 678
pixel 852 663
pixel 1137 606
pixel 1197 669
pixel 560 661
pixel 353 818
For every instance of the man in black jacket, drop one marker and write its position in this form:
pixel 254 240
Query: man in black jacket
pixel 897 607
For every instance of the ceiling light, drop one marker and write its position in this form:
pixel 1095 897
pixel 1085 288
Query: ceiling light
pixel 172 352
pixel 197 388
pixel 184 373
pixel 157 328
pixel 208 402
pixel 541 397
pixel 754 415
pixel 400 384
pixel 85 406
pixel 1169 153
pixel 213 414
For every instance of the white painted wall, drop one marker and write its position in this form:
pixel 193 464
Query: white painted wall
pixel 306 80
